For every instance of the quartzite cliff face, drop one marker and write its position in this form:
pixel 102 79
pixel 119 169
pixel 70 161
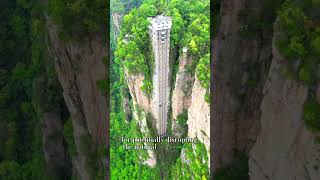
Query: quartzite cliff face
pixel 199 116
pixel 265 120
pixel 79 66
pixel 235 102
pixel 140 103
pixel 284 149
pixel 116 22
pixel 181 94
pixel 188 96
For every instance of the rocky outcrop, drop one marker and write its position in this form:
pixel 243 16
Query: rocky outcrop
pixel 236 98
pixel 263 119
pixel 181 95
pixel 140 116
pixel 49 105
pixel 135 83
pixel 285 149
pixel 141 106
pixel 126 106
pixel 116 22
pixel 55 153
pixel 79 66
pixel 199 115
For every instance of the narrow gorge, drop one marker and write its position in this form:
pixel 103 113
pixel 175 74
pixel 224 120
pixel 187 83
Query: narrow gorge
pixel 163 74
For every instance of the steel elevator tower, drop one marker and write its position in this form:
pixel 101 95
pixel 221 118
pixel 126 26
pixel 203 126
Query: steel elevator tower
pixel 159 31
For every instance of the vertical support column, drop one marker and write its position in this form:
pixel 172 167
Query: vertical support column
pixel 160 35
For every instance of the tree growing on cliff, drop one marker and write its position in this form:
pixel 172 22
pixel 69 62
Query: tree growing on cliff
pixel 77 18
pixel 299 43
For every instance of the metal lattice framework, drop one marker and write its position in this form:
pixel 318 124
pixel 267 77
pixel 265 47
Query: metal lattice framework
pixel 159 31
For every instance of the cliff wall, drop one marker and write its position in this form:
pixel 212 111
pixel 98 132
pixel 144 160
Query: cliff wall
pixel 199 116
pixel 116 22
pixel 181 94
pixel 262 118
pixel 79 65
pixel 285 149
pixel 239 76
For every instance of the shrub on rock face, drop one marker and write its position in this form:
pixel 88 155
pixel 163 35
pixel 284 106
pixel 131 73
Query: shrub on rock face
pixel 300 44
pixel 182 118
pixel 311 115
pixel 238 170
pixel 76 18
pixel 147 87
pixel 10 170
pixel 316 45
pixel 305 75
pixel 203 71
pixel 203 74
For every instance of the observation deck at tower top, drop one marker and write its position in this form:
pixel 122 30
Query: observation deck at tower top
pixel 160 22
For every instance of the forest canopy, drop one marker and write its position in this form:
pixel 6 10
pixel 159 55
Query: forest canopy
pixel 77 18
pixel 190 28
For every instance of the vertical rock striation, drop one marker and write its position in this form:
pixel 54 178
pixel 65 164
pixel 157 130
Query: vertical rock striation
pixel 55 152
pixel 236 101
pixel 79 66
pixel 181 95
pixel 265 118
pixel 199 116
pixel 140 100
pixel 116 22
pixel 141 103
pixel 134 84
pixel 284 149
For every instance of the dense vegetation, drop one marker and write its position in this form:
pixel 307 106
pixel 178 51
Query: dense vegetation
pixel 238 170
pixel 124 6
pixel 299 43
pixel 126 164
pixel 21 66
pixel 256 24
pixel 133 44
pixel 29 87
pixel 78 18
pixel 190 29
pixel 182 122
pixel 194 165
pixel 203 75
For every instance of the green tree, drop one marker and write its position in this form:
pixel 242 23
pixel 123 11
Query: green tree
pixel 311 115
pixel 203 71
pixel 77 18
pixel 177 26
pixel 195 165
pixel 117 7
pixel 10 170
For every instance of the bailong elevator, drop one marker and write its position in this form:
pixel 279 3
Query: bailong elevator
pixel 159 31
